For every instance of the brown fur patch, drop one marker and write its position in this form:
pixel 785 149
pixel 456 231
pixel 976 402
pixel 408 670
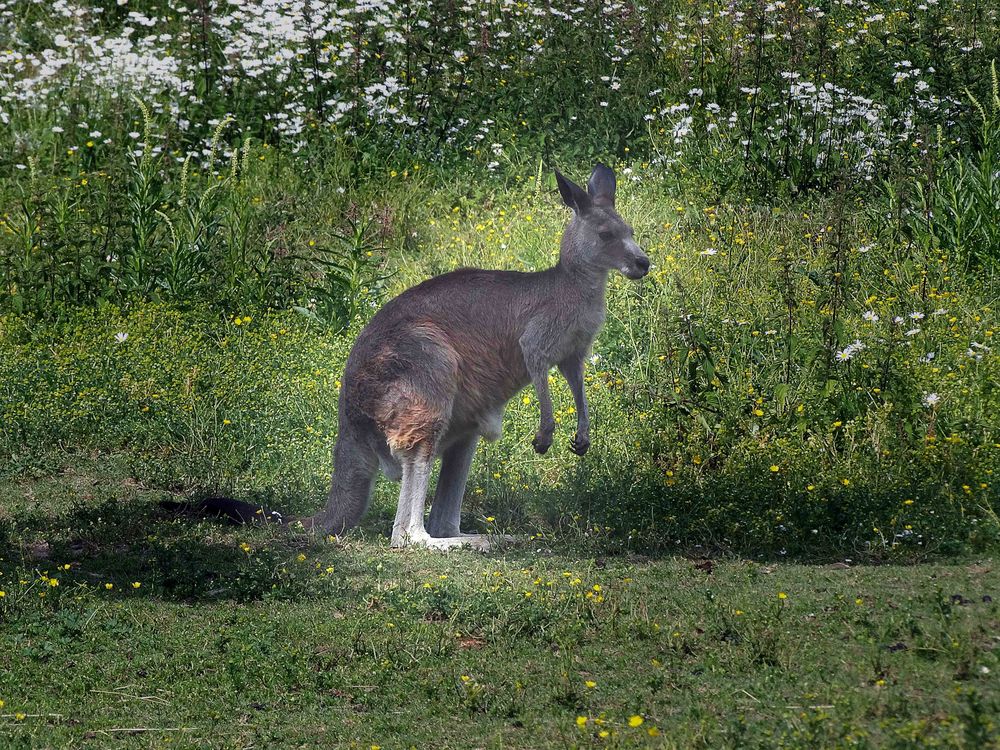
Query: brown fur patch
pixel 411 425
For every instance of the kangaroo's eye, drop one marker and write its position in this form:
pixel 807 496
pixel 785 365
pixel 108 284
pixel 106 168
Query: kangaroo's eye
pixel 606 236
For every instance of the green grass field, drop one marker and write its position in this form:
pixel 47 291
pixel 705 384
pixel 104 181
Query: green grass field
pixel 784 534
pixel 125 627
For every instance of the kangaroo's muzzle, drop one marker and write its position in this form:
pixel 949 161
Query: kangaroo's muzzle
pixel 637 262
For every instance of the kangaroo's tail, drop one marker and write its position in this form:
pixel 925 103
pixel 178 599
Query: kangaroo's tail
pixel 233 511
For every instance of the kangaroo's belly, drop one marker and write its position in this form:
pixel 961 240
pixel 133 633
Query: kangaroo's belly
pixel 480 403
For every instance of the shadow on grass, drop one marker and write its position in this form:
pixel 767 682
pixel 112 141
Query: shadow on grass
pixel 110 530
pixel 116 544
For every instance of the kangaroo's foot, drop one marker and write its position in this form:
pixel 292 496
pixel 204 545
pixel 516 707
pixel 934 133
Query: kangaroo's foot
pixel 453 532
pixel 476 541
pixel 480 542
pixel 445 529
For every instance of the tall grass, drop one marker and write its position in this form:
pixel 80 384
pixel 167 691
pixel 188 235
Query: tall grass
pixel 808 367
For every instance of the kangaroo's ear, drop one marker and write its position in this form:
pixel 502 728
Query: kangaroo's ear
pixel 572 194
pixel 602 185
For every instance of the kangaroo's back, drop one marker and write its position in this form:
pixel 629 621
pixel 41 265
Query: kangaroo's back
pixel 457 333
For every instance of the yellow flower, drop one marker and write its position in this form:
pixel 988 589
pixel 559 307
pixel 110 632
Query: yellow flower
pixel 590 684
pixel 244 546
pixel 581 721
pixel 53 582
pixel 109 586
pixel 604 734
pixel 775 468
pixel 136 584
pixel 2 595
pixel 301 557
pixel 635 721
pixel 653 732
pixel 20 716
pixel 782 595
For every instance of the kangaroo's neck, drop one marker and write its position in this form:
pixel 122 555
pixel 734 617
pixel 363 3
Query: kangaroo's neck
pixel 585 282
pixel 574 270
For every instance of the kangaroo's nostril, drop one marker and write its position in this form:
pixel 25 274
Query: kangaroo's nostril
pixel 643 262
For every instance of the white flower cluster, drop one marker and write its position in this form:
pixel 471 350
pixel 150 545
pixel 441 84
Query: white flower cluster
pixel 310 62
pixel 848 352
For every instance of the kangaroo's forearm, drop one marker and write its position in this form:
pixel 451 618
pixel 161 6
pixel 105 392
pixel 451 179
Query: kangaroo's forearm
pixel 572 370
pixel 546 423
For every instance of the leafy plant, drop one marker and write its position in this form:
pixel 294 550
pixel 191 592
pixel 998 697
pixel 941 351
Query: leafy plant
pixel 957 210
pixel 351 281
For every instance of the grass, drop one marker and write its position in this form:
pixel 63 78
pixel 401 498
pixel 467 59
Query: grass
pixel 262 637
pixel 722 412
pixel 801 392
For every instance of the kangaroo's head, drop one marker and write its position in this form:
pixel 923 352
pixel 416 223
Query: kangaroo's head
pixel 598 239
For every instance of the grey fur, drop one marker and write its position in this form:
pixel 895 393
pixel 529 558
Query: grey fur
pixel 434 369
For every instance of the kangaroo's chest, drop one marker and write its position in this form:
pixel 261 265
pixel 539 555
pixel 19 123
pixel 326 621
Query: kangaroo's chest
pixel 579 327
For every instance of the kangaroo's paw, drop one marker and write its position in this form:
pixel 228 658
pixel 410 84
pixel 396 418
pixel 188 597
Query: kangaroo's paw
pixel 542 442
pixel 579 445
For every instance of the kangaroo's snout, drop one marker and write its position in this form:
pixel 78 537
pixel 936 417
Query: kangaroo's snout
pixel 638 263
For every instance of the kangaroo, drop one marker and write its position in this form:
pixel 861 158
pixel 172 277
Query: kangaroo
pixel 434 369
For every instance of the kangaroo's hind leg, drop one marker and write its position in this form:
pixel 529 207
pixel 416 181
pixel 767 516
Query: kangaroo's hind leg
pixel 446 511
pixel 408 528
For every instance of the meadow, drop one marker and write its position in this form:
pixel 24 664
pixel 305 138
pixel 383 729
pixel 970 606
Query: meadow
pixel 794 433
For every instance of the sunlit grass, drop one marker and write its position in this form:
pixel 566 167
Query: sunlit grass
pixel 117 621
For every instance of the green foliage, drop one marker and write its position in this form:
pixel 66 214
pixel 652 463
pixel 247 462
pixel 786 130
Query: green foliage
pixel 807 370
pixel 800 391
pixel 201 207
pixel 350 283
pixel 159 228
pixel 956 205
